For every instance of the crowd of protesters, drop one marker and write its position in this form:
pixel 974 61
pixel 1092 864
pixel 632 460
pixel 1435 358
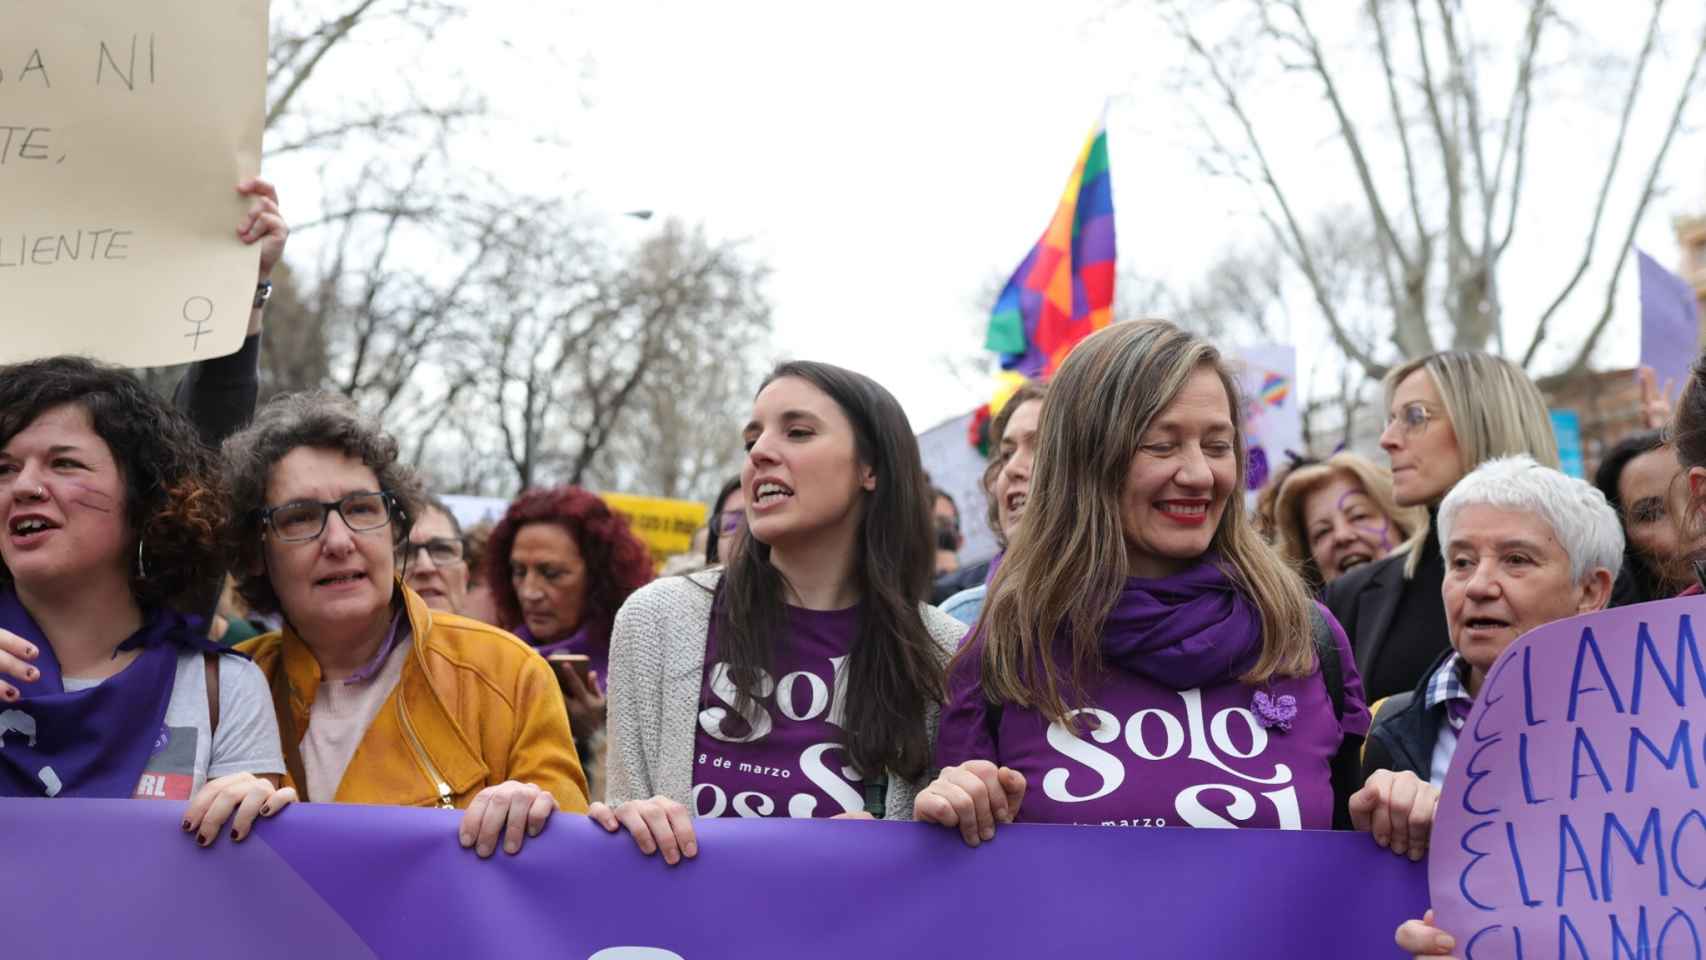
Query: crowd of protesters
pixel 368 649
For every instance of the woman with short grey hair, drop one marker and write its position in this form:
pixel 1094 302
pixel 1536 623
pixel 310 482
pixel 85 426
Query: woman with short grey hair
pixel 1524 545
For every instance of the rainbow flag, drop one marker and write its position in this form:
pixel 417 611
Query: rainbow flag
pixel 1064 289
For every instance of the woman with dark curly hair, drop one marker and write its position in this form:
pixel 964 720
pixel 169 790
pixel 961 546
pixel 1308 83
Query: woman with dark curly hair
pixel 379 698
pixel 561 563
pixel 111 507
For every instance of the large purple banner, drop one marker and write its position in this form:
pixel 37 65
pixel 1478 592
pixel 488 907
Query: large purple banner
pixel 118 879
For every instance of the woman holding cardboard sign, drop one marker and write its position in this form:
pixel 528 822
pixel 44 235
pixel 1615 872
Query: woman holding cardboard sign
pixel 1587 527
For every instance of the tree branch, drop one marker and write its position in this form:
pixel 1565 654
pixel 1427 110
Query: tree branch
pixel 1629 102
pixel 1647 191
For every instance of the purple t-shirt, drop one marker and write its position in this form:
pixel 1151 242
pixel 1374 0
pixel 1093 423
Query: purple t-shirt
pixel 790 763
pixel 1151 756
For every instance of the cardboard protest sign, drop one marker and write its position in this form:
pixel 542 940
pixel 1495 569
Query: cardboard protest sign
pixel 665 525
pixel 124 130
pixel 1572 823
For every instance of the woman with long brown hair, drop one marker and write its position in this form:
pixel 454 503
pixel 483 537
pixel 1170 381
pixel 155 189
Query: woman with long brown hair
pixel 803 679
pixel 1144 658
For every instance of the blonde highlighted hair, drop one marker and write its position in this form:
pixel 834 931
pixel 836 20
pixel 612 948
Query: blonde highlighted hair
pixel 1495 410
pixel 1410 523
pixel 1066 566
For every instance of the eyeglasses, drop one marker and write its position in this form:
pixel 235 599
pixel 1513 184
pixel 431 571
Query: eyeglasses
pixel 1414 417
pixel 729 522
pixel 443 551
pixel 303 520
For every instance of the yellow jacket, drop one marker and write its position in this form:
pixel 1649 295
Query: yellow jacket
pixel 474 707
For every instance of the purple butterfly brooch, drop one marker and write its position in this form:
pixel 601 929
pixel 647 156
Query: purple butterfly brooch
pixel 1273 712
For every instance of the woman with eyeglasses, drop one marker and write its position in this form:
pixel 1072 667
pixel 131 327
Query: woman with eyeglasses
pixel 728 522
pixel 379 698
pixel 434 564
pixel 1447 413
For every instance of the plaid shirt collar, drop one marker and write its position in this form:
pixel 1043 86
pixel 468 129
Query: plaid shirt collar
pixel 1446 687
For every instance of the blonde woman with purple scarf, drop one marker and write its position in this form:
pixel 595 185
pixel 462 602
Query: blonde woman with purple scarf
pixel 1143 658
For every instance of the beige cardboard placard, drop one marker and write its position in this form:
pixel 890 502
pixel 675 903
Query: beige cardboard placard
pixel 125 127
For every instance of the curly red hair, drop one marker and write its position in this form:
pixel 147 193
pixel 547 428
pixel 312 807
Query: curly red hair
pixel 617 562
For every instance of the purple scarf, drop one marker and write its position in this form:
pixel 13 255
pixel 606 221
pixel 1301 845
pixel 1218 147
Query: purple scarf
pixel 1189 630
pixel 94 742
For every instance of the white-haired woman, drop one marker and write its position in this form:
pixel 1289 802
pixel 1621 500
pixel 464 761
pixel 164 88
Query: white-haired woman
pixel 1524 545
pixel 1447 413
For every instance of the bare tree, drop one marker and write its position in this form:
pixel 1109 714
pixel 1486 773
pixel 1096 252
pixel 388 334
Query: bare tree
pixel 309 110
pixel 583 342
pixel 1447 212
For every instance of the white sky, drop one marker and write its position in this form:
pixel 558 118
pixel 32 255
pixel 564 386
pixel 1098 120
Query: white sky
pixel 888 161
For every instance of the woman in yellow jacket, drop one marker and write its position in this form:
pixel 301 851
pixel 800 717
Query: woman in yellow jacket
pixel 379 699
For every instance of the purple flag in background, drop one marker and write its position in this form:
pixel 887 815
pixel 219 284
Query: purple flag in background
pixel 119 879
pixel 1670 324
pixel 1572 823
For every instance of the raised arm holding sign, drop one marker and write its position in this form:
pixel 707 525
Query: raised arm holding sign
pixel 122 129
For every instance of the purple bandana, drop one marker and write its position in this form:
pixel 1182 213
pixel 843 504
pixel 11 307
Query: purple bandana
pixel 94 742
pixel 392 638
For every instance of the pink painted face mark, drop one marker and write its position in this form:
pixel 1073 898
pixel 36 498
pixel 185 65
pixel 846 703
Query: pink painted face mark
pixel 84 495
pixel 1342 526
pixel 1384 531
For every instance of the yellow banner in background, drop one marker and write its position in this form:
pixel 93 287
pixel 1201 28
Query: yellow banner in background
pixel 666 526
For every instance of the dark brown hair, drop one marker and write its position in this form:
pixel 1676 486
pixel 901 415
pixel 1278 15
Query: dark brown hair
pixel 173 500
pixel 893 671
pixel 321 421
pixel 714 524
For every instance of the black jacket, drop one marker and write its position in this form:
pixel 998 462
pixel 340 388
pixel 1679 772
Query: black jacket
pixel 1392 651
pixel 1405 731
pixel 219 396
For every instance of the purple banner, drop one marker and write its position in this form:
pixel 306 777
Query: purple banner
pixel 119 879
pixel 1670 325
pixel 1572 823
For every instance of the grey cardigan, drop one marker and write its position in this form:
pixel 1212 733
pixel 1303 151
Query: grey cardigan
pixel 657 669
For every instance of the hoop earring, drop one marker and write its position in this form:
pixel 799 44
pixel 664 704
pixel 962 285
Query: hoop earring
pixel 141 568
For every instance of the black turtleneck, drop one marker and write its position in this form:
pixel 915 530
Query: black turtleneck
pixel 1418 632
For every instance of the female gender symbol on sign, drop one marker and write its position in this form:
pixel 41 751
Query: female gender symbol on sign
pixel 203 306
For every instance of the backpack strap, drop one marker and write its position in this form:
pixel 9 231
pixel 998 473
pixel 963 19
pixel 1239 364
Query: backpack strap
pixel 210 662
pixel 1327 652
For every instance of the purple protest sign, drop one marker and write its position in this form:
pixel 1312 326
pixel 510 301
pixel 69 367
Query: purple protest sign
pixel 1571 823
pixel 1670 324
pixel 118 878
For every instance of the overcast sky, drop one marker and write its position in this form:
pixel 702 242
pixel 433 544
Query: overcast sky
pixel 890 160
